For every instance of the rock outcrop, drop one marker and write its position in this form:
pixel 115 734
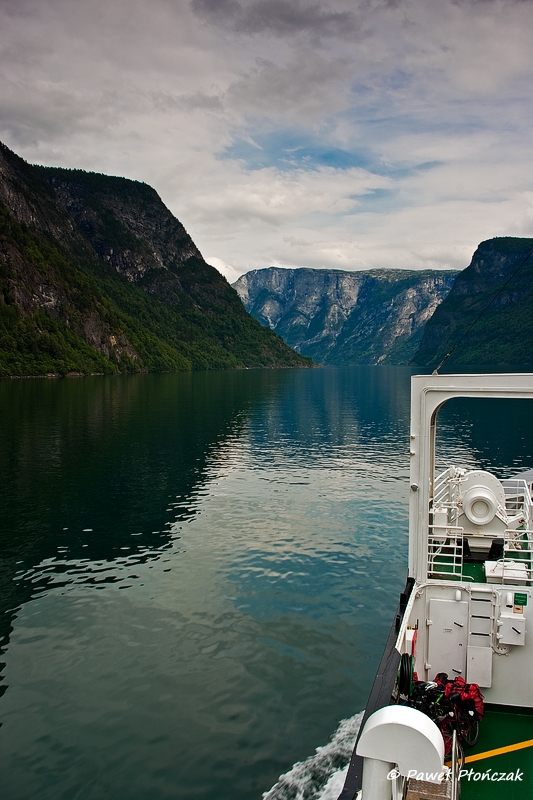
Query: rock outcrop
pixel 337 317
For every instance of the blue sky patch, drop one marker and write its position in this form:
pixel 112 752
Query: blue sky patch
pixel 288 150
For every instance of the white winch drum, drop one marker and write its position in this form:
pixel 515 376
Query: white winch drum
pixel 480 505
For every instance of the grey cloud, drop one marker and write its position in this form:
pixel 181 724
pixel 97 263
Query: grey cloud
pixel 294 241
pixel 27 119
pixel 19 8
pixel 188 102
pixel 486 2
pixel 277 17
pixel 216 10
pixel 306 88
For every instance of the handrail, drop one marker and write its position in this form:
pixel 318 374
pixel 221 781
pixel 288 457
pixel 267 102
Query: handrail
pixel 446 538
pixel 456 767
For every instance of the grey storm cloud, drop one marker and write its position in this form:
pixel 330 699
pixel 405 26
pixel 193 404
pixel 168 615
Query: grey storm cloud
pixel 288 132
pixel 277 17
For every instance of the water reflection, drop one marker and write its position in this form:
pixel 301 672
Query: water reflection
pixel 212 562
pixel 90 469
pixel 338 408
pixel 234 511
pixel 496 435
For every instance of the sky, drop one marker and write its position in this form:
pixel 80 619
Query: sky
pixel 351 134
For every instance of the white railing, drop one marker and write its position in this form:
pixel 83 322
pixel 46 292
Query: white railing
pixel 446 493
pixel 446 558
pixel 518 500
pixel 447 541
pixel 445 552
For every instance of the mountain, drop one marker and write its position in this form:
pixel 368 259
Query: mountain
pixel 494 294
pixel 337 317
pixel 97 276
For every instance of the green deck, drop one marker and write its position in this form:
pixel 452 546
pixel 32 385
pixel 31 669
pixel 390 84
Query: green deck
pixel 476 572
pixel 501 729
pixel 473 572
pixel 448 564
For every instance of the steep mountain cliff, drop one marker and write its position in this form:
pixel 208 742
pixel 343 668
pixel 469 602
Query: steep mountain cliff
pixel 96 275
pixel 338 317
pixel 500 280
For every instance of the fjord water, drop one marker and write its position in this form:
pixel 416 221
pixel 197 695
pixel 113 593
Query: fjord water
pixel 199 571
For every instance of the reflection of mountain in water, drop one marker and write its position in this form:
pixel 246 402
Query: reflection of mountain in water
pixel 339 407
pixel 96 470
pixel 486 433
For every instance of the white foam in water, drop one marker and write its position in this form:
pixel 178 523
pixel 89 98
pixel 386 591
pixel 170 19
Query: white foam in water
pixel 333 787
pixel 321 776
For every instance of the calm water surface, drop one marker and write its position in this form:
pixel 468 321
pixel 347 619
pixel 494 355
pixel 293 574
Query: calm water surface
pixel 198 572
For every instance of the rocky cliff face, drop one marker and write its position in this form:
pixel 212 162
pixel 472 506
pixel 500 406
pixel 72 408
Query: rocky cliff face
pixel 487 318
pixel 340 317
pixel 96 275
pixel 125 222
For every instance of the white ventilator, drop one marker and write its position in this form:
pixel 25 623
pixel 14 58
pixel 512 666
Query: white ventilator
pixel 398 740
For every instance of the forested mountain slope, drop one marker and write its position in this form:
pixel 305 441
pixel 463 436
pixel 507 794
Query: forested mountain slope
pixel 503 333
pixel 97 275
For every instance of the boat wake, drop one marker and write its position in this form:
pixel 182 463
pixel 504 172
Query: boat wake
pixel 321 776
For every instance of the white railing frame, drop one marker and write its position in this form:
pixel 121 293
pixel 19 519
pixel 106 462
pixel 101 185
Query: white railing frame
pixel 445 539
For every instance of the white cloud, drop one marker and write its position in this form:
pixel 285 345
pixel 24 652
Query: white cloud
pixel 278 198
pixel 159 92
pixel 229 272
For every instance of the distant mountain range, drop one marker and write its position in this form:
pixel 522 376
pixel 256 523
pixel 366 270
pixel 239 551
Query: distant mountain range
pixel 337 317
pixel 484 314
pixel 97 276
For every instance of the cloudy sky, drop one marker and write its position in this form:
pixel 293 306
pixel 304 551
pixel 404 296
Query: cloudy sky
pixel 343 134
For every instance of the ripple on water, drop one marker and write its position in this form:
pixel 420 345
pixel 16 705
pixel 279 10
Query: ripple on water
pixel 197 586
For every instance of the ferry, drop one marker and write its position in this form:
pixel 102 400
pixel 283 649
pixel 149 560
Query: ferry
pixel 450 713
